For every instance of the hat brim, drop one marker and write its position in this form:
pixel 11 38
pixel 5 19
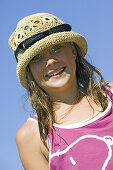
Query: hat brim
pixel 44 43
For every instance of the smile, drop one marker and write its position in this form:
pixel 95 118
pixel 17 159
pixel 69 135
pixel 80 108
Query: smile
pixel 56 73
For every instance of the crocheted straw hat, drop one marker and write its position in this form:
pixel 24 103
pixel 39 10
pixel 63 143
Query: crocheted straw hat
pixel 37 32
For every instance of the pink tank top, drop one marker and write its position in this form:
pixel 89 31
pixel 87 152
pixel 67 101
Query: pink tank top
pixel 85 145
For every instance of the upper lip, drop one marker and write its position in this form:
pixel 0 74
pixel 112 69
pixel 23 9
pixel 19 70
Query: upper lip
pixel 53 71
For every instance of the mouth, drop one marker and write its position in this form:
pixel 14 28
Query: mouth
pixel 56 74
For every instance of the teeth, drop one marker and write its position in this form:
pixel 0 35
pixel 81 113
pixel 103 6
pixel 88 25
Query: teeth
pixel 53 74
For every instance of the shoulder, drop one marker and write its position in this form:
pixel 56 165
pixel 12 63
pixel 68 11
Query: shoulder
pixel 27 130
pixel 110 85
pixel 29 146
pixel 26 136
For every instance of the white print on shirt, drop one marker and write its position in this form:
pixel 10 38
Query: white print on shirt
pixel 106 141
pixel 72 160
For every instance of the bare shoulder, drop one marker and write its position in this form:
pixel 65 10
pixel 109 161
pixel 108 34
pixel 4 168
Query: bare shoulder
pixel 29 147
pixel 27 131
pixel 110 85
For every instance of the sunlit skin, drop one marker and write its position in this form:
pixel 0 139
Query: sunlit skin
pixel 58 58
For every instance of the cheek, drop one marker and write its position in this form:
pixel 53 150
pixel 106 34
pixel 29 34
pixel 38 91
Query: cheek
pixel 70 62
pixel 72 66
pixel 37 72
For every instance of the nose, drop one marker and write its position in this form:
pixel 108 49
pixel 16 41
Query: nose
pixel 50 59
pixel 50 62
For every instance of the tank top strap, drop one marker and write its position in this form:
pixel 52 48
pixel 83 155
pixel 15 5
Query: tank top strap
pixel 110 93
pixel 33 118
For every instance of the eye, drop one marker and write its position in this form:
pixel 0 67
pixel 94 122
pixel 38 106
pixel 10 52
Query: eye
pixel 37 58
pixel 56 48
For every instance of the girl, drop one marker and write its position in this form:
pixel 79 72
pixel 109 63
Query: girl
pixel 73 125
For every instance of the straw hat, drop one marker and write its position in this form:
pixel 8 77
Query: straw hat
pixel 37 32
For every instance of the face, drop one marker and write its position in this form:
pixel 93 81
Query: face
pixel 54 68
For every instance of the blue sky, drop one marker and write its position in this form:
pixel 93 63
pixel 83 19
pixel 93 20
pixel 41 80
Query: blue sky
pixel 93 19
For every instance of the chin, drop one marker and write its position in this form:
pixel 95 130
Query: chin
pixel 59 85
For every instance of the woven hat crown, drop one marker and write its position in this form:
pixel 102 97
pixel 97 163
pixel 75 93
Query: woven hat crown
pixel 32 25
